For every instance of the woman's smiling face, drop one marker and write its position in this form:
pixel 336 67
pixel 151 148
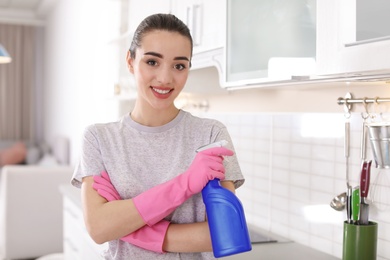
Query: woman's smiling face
pixel 160 67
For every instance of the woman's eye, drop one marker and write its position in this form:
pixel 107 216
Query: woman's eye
pixel 151 62
pixel 180 66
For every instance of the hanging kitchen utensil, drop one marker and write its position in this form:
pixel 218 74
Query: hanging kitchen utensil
pixel 356 199
pixel 363 143
pixel 338 202
pixel 380 190
pixel 379 133
pixel 347 116
pixel 380 143
pixel 364 188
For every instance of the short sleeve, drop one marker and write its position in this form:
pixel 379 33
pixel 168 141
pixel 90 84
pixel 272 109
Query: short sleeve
pixel 91 162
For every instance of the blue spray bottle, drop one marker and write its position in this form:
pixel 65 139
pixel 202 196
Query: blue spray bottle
pixel 226 218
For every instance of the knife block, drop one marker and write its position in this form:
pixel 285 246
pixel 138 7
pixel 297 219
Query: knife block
pixel 360 241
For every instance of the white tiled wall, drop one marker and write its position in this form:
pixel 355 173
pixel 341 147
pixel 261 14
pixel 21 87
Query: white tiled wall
pixel 294 164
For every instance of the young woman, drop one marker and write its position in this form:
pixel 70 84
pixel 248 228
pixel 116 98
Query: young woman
pixel 141 177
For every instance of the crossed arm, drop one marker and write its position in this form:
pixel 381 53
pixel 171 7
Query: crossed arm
pixel 109 221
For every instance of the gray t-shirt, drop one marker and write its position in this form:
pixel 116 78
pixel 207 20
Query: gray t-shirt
pixel 139 157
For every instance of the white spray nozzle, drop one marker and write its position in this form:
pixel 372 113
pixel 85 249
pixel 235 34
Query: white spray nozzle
pixel 212 145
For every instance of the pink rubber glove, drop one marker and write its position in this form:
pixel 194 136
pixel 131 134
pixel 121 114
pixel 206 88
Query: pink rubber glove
pixel 161 200
pixel 102 184
pixel 149 238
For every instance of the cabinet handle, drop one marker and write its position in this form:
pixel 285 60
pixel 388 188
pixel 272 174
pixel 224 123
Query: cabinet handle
pixel 194 23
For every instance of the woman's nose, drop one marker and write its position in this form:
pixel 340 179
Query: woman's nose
pixel 164 75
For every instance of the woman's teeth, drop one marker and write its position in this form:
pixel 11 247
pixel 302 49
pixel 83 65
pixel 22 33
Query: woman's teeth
pixel 161 91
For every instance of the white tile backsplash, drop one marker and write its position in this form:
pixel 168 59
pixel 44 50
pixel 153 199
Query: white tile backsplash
pixel 292 174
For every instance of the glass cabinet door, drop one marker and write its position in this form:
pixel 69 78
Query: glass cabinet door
pixel 372 20
pixel 356 41
pixel 270 39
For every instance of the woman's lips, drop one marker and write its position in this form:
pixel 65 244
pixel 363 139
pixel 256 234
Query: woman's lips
pixel 162 92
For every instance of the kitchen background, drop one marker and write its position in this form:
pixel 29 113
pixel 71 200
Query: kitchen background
pixel 289 137
pixel 294 161
pixel 294 165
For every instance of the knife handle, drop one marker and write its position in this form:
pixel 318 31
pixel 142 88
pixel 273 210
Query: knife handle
pixel 355 203
pixel 365 179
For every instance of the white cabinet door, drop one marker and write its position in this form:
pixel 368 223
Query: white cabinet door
pixel 78 245
pixel 206 20
pixel 353 37
pixel 140 9
pixel 213 24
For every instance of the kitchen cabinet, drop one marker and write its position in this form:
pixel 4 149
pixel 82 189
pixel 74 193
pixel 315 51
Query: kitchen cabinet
pixel 78 245
pixel 269 41
pixel 139 10
pixel 353 37
pixel 206 20
pixel 299 42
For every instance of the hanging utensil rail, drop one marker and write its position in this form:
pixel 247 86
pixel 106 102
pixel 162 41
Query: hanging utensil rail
pixel 348 100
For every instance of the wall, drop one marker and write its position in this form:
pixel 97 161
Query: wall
pixel 78 69
pixel 290 144
pixel 294 166
pixel 316 97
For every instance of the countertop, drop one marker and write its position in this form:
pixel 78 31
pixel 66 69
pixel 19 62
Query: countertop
pixel 281 250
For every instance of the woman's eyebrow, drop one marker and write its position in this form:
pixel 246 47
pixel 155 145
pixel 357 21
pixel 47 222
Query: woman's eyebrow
pixel 181 58
pixel 156 54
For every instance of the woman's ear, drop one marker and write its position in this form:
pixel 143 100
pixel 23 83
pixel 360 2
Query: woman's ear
pixel 129 62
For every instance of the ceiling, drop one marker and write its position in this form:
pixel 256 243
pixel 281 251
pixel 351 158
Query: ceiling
pixel 24 11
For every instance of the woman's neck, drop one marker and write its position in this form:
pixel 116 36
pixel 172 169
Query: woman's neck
pixel 153 117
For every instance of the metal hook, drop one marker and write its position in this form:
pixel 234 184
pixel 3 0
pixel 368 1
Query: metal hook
pixel 347 106
pixel 376 110
pixel 365 114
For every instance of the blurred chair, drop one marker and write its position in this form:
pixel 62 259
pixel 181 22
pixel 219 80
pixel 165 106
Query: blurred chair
pixel 31 221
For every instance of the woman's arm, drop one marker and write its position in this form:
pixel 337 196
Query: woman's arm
pixel 228 185
pixel 184 238
pixel 193 237
pixel 107 221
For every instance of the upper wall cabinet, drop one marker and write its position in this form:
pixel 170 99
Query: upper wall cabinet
pixel 206 20
pixel 139 10
pixel 353 37
pixel 301 41
pixel 269 41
